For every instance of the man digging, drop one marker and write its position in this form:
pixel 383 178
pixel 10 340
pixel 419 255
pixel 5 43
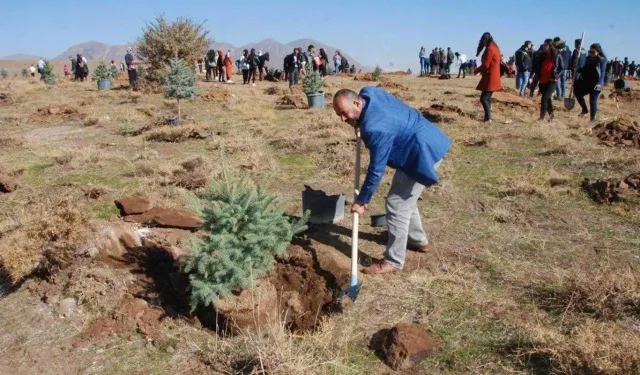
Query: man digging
pixel 400 137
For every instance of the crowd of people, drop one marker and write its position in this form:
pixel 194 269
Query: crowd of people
pixel 547 70
pixel 439 62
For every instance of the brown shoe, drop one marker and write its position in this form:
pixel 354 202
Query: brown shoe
pixel 382 267
pixel 419 248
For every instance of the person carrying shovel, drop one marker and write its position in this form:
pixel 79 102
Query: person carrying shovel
pixel 400 137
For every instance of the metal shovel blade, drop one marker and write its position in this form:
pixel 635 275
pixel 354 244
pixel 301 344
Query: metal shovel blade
pixel 352 292
pixel 569 103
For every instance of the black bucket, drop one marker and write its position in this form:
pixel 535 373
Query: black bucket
pixel 621 84
pixel 379 220
pixel 324 209
pixel 172 120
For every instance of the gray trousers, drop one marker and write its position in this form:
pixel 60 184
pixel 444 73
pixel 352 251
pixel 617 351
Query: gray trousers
pixel 403 217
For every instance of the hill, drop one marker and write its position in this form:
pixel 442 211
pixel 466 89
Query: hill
pixel 21 56
pixel 277 51
pixel 95 51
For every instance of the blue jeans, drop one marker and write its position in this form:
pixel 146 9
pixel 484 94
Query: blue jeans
pixel 593 102
pixel 337 67
pixel 293 77
pixel 423 64
pixel 522 80
pixel 561 87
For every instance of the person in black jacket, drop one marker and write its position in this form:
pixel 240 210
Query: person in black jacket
pixel 549 72
pixel 450 57
pixel 565 53
pixel 292 66
pixel 591 80
pixel 625 67
pixel 523 65
pixel 577 58
pixel 632 69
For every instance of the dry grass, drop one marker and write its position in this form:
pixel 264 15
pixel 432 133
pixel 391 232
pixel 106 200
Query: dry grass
pixel 99 289
pixel 526 274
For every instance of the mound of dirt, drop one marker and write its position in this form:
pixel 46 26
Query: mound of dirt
pixel 435 117
pixel 216 96
pixel 405 97
pixel 5 99
pixel 7 184
pixel 293 100
pixel 510 100
pixel 299 291
pixel 64 110
pixel 448 108
pixel 619 132
pixel 626 96
pixel 193 174
pixel 403 346
pixel 366 77
pixel 275 90
pixel 613 189
pixel 386 84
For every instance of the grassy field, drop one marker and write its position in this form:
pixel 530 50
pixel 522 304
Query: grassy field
pixel 527 275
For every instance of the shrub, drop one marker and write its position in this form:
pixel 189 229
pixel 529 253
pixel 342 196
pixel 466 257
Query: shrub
pixel 102 72
pixel 179 82
pixel 142 72
pixel 376 73
pixel 24 72
pixel 162 41
pixel 312 83
pixel 47 71
pixel 3 73
pixel 246 232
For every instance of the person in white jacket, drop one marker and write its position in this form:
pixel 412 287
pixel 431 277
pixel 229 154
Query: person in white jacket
pixel 463 64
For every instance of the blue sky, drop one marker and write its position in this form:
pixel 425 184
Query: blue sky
pixel 373 31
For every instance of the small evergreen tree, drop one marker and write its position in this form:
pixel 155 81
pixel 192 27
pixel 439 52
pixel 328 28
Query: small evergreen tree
pixel 246 232
pixel 141 71
pixel 25 73
pixel 4 74
pixel 102 72
pixel 312 83
pixel 47 71
pixel 113 71
pixel 179 82
pixel 376 73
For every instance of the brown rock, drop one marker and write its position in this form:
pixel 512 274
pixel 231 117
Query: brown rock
pixel 54 111
pixel 7 185
pixel 134 205
pixel 406 345
pixel 168 218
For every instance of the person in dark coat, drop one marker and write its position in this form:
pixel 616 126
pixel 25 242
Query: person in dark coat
pixel 490 70
pixel 523 66
pixel 131 68
pixel 591 80
pixel 253 66
pixel 262 65
pixel 578 58
pixel 324 58
pixel 565 53
pixel 625 67
pixel 549 73
pixel 292 66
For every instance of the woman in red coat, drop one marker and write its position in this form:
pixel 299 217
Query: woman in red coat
pixel 490 70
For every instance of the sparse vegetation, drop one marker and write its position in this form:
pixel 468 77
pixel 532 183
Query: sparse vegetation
pixel 313 83
pixel 376 73
pixel 4 74
pixel 102 72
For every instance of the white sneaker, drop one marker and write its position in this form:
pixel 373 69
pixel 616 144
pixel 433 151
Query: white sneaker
pixel 229 81
pixel 253 84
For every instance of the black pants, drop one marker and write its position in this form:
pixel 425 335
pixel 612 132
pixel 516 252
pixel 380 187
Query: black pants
pixel 485 100
pixel 133 78
pixel 463 70
pixel 252 73
pixel 260 69
pixel 546 105
pixel 245 74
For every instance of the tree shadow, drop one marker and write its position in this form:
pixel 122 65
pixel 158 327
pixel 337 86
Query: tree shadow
pixel 528 357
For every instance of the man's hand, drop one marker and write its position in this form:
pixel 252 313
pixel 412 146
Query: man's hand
pixel 357 209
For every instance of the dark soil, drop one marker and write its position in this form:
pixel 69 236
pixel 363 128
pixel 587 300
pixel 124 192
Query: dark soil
pixel 619 132
pixel 613 189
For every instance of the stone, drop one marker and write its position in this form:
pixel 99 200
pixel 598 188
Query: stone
pixel 134 205
pixel 7 185
pixel 406 345
pixel 66 307
pixel 54 111
pixel 168 218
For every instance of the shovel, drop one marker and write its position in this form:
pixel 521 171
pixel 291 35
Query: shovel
pixel 354 286
pixel 570 102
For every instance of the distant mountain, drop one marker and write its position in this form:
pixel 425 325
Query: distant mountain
pixel 21 56
pixel 95 51
pixel 277 51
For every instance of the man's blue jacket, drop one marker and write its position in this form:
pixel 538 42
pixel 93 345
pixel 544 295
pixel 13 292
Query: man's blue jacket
pixel 400 137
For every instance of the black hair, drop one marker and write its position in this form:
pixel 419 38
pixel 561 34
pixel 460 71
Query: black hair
pixel 598 48
pixel 527 42
pixel 485 40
